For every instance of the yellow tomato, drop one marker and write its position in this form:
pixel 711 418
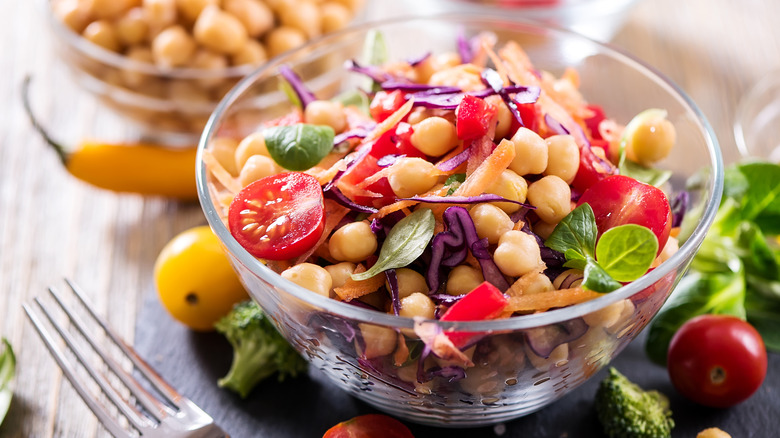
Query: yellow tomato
pixel 194 279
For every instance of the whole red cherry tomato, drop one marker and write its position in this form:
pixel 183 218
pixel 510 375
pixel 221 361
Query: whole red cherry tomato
pixel 369 426
pixel 717 360
pixel 620 200
pixel 278 217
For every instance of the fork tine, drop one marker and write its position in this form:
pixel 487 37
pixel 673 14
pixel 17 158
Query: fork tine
pixel 70 373
pixel 149 402
pixel 136 418
pixel 159 384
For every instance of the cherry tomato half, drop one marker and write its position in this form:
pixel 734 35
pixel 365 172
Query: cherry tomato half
pixel 592 168
pixel 620 200
pixel 717 360
pixel 278 217
pixel 369 426
pixel 385 104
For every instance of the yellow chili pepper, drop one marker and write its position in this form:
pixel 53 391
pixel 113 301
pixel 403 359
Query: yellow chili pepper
pixel 141 168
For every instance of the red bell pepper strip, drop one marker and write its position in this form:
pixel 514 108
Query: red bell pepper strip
pixel 483 303
pixel 474 117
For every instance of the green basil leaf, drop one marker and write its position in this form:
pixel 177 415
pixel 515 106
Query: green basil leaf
pixel 576 231
pixel 354 98
pixel 761 201
pixel 405 242
pixel 626 252
pixel 648 175
pixel 574 259
pixel 299 146
pixel 596 279
pixel 7 372
pixel 695 295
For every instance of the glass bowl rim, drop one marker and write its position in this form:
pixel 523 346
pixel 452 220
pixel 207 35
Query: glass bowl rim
pixel 361 315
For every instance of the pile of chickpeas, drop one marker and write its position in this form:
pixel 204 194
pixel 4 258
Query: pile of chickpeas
pixel 208 35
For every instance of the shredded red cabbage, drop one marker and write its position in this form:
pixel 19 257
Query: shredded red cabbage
pixel 448 249
pixel 382 226
pixel 304 95
pixel 414 62
pixel 543 340
pixel 449 372
pixel 436 99
pixel 332 192
pixel 377 74
pixel 392 281
pixel 339 331
pixel 455 161
pixel 492 79
pixel 411 87
pixel 555 126
pixel 680 205
pixel 464 48
pixel 358 132
pixel 389 159
pixel 485 197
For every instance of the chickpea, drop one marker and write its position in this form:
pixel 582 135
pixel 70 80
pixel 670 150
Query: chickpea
pixel 102 33
pixel 253 53
pixel 107 9
pixel 418 114
pixel 205 59
pixel 503 116
pixel 464 76
pixel 159 14
pixel 531 283
pixel 190 9
pixel 131 78
pixel 217 30
pixel 552 198
pixel 73 14
pixel 509 185
pixel 530 153
pixel 607 316
pixel 651 141
pixel 310 276
pixel 412 176
pixel 256 17
pixel 409 282
pixel 282 39
pixel 325 112
pixel 303 15
pixel 379 341
pixel 543 229
pixel 353 242
pixel 252 144
pixel 563 157
pixel 558 357
pixel 463 279
pixel 340 273
pixel 223 149
pixel 131 27
pixel 517 254
pixel 417 304
pixel 671 247
pixel 334 16
pixel 490 221
pixel 434 136
pixel 257 167
pixel 173 47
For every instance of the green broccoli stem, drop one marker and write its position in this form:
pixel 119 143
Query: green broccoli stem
pixel 244 375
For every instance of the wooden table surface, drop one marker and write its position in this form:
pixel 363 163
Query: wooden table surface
pixel 53 226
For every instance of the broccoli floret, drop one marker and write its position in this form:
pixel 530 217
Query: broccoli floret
pixel 627 411
pixel 259 350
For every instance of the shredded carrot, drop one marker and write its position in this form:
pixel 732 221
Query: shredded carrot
pixel 355 289
pixel 220 173
pixel 484 175
pixel 400 205
pixel 547 300
pixel 518 65
pixel 481 148
pixel 334 213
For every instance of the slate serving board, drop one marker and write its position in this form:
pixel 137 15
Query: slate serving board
pixel 309 405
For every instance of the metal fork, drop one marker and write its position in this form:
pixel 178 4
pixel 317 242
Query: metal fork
pixel 147 414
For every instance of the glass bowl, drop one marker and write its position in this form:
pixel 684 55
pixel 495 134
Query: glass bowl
pixel 511 376
pixel 169 105
pixel 597 19
pixel 757 120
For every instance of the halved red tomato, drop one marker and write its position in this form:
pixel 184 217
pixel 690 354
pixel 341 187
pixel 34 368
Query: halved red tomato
pixel 592 169
pixel 362 170
pixel 278 217
pixel 385 104
pixel 619 200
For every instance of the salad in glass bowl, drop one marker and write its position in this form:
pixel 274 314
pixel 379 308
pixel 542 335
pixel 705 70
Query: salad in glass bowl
pixel 461 232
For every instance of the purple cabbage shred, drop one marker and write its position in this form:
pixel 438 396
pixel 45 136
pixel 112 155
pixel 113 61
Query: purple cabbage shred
pixel 455 161
pixel 414 62
pixel 392 281
pixel 450 372
pixel 464 48
pixel 304 95
pixel 485 197
pixel 555 126
pixel 543 340
pixel 449 248
pixel 411 87
pixel 359 132
pixel 389 160
pixel 680 205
